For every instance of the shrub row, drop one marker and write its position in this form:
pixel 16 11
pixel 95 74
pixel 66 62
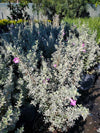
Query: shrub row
pixel 6 21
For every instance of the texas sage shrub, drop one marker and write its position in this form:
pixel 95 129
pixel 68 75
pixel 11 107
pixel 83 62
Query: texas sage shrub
pixel 88 50
pixel 87 45
pixel 54 86
pixel 56 96
pixel 11 92
pixel 56 89
pixel 51 87
pixel 25 35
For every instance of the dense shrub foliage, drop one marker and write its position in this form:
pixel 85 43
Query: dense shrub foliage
pixel 45 64
pixel 22 35
pixel 48 62
pixel 11 92
pixel 56 85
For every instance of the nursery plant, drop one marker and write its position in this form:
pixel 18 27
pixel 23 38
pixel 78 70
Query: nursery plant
pixel 56 98
pixel 11 94
pixel 44 32
pixel 53 82
pixel 22 35
pixel 57 85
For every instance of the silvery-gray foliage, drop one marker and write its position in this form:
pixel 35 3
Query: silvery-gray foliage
pixel 51 88
pixel 87 49
pixel 55 83
pixel 24 36
pixel 86 44
pixel 10 95
pixel 68 64
pixel 54 86
pixel 20 130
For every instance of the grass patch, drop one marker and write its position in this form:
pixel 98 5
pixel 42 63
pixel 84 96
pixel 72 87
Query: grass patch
pixel 93 23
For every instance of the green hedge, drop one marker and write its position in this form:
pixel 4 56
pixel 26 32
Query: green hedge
pixel 6 21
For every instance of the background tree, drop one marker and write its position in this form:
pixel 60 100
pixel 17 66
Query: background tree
pixel 97 3
pixel 18 11
pixel 70 8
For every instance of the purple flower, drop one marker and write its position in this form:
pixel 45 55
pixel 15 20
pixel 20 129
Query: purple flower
pixel 73 43
pixel 84 50
pixel 44 81
pixel 83 45
pixel 16 60
pixel 72 102
pixel 55 65
pixel 63 33
pixel 48 79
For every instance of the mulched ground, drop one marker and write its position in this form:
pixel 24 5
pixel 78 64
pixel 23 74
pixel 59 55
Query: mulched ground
pixel 93 121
